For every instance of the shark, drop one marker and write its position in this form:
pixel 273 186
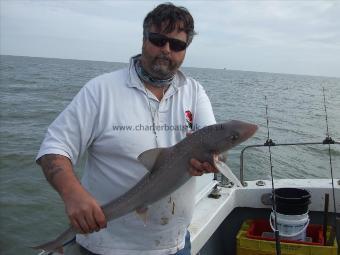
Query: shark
pixel 167 170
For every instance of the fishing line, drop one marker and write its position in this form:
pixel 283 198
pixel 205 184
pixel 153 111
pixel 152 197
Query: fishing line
pixel 270 143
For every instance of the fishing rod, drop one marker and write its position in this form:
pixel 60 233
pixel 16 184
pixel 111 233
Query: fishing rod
pixel 270 142
pixel 328 140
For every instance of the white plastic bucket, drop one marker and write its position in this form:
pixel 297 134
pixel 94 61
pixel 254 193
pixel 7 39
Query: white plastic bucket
pixel 291 227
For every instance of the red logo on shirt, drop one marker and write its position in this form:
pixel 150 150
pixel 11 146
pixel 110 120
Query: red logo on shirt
pixel 188 118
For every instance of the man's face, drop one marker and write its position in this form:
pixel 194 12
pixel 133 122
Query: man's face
pixel 162 62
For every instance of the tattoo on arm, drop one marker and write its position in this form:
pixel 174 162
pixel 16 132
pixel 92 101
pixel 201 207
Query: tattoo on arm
pixel 51 173
pixel 52 165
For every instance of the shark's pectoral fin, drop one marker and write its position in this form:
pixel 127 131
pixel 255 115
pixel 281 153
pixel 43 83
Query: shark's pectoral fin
pixel 225 170
pixel 223 157
pixel 148 158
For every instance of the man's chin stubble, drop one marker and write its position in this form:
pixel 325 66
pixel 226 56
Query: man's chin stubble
pixel 162 73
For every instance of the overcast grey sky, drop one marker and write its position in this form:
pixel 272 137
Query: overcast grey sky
pixel 301 37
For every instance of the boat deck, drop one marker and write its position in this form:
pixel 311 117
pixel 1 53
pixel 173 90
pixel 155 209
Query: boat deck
pixel 216 221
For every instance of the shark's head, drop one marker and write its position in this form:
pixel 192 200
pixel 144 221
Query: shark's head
pixel 222 137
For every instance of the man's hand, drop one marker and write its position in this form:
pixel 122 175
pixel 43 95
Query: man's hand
pixel 84 212
pixel 198 168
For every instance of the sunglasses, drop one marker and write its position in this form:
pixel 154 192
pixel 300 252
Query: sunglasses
pixel 160 40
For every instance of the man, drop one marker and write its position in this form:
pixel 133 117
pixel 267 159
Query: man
pixel 111 118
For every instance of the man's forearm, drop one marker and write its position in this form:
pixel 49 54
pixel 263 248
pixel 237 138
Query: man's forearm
pixel 79 204
pixel 58 170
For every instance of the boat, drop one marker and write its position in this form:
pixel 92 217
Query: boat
pixel 222 208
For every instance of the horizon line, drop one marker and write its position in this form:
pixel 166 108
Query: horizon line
pixel 198 67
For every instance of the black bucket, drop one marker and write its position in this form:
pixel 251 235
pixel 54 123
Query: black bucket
pixel 292 201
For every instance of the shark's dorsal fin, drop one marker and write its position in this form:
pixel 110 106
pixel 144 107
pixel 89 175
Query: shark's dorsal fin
pixel 148 158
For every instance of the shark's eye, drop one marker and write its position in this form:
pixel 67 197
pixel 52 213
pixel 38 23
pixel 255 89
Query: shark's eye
pixel 234 137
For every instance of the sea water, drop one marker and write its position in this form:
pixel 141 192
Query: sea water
pixel 35 90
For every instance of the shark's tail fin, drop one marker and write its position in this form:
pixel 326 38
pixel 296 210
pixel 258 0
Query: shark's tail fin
pixel 58 243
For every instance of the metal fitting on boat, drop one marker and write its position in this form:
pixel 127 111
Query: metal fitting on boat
pixel 215 193
pixel 260 183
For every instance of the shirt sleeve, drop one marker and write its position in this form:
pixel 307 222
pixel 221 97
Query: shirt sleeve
pixel 203 115
pixel 74 129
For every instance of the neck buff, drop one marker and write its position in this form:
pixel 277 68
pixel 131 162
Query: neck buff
pixel 146 77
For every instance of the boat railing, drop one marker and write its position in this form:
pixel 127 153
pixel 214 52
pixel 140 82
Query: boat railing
pixel 269 142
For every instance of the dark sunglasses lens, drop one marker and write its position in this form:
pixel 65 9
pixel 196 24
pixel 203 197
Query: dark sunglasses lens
pixel 157 39
pixel 160 40
pixel 177 45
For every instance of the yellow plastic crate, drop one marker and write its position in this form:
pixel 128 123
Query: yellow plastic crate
pixel 247 246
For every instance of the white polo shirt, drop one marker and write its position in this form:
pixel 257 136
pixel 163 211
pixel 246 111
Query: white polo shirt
pixel 110 117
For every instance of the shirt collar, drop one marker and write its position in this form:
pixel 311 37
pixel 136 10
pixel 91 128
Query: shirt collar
pixel 134 81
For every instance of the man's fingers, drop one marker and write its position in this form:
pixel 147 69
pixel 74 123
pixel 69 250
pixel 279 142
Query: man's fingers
pixel 200 168
pixel 75 225
pixel 195 172
pixel 89 223
pixel 99 218
pixel 83 225
pixel 79 225
pixel 92 223
pixel 197 165
pixel 207 167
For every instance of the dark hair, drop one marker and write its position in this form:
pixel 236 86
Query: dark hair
pixel 175 17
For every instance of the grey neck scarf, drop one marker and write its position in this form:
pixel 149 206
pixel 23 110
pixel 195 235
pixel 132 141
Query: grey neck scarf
pixel 146 77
